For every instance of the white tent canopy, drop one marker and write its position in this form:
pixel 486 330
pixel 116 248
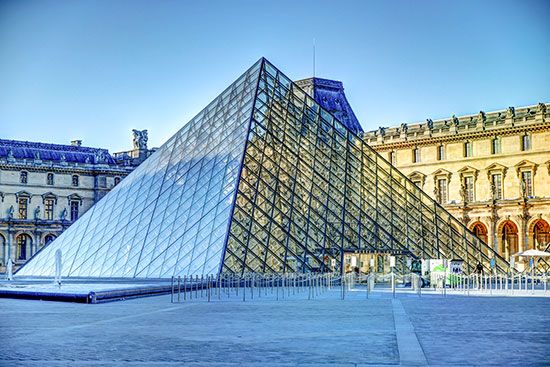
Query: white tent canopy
pixel 534 253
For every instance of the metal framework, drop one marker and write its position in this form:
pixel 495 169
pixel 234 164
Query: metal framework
pixel 262 180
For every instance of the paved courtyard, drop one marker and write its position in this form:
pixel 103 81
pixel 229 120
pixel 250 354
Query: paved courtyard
pixel 432 330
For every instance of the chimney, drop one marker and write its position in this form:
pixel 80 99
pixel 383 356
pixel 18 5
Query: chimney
pixel 76 143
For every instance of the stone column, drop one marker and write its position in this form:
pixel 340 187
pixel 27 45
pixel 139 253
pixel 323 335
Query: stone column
pixel 522 235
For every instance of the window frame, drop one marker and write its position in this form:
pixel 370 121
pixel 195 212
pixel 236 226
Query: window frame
pixel 50 179
pixel 75 180
pixel 24 177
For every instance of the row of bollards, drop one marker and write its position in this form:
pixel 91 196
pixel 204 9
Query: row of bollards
pixel 250 286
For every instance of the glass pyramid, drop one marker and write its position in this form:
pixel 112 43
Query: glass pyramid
pixel 262 180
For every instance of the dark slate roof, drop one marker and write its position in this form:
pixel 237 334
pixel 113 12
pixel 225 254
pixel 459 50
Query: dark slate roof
pixel 54 152
pixel 330 95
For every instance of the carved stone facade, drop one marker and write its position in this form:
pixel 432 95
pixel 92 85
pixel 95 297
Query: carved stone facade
pixel 491 170
pixel 44 188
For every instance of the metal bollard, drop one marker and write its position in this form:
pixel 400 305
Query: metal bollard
pixel 179 287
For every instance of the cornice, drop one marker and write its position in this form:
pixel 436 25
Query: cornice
pixel 460 137
pixel 64 169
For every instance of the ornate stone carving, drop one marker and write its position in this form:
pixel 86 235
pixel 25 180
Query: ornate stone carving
pixel 510 112
pixel 140 139
pixel 100 156
pixel 541 108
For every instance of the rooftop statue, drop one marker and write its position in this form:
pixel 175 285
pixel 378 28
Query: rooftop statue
pixel 140 139
pixel 481 116
pixel 541 107
pixel 511 112
pixel 430 124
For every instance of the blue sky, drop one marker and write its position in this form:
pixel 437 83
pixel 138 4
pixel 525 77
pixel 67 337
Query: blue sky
pixel 93 70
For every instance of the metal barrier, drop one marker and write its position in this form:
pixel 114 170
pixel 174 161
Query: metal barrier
pixel 310 286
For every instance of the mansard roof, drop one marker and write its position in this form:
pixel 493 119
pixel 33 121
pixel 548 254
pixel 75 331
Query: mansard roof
pixel 54 152
pixel 330 95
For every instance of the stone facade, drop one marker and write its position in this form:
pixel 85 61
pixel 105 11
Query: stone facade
pixel 491 170
pixel 44 188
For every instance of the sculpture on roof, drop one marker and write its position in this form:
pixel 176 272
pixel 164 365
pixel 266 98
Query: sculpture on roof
pixel 510 112
pixel 541 108
pixel 454 120
pixel 37 156
pixel 404 127
pixel 430 124
pixel 381 131
pixel 140 139
pixel 481 116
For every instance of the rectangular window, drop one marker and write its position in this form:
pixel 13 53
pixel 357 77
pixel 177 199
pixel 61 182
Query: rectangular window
pixel 495 146
pixel 526 142
pixel 497 184
pixel 74 210
pixel 48 209
pixel 468 149
pixel 469 189
pixel 527 181
pixel 440 152
pixel 442 191
pixel 392 158
pixel 102 181
pixel 23 204
pixel 416 155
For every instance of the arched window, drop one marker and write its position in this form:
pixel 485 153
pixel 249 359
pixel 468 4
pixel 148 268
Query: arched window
pixel 49 179
pixel 540 235
pixel 75 181
pixel 23 240
pixel 508 239
pixel 23 177
pixel 48 239
pixel 480 231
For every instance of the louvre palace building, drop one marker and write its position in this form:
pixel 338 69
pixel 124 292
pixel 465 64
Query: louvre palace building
pixel 277 176
pixel 44 188
pixel 491 170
